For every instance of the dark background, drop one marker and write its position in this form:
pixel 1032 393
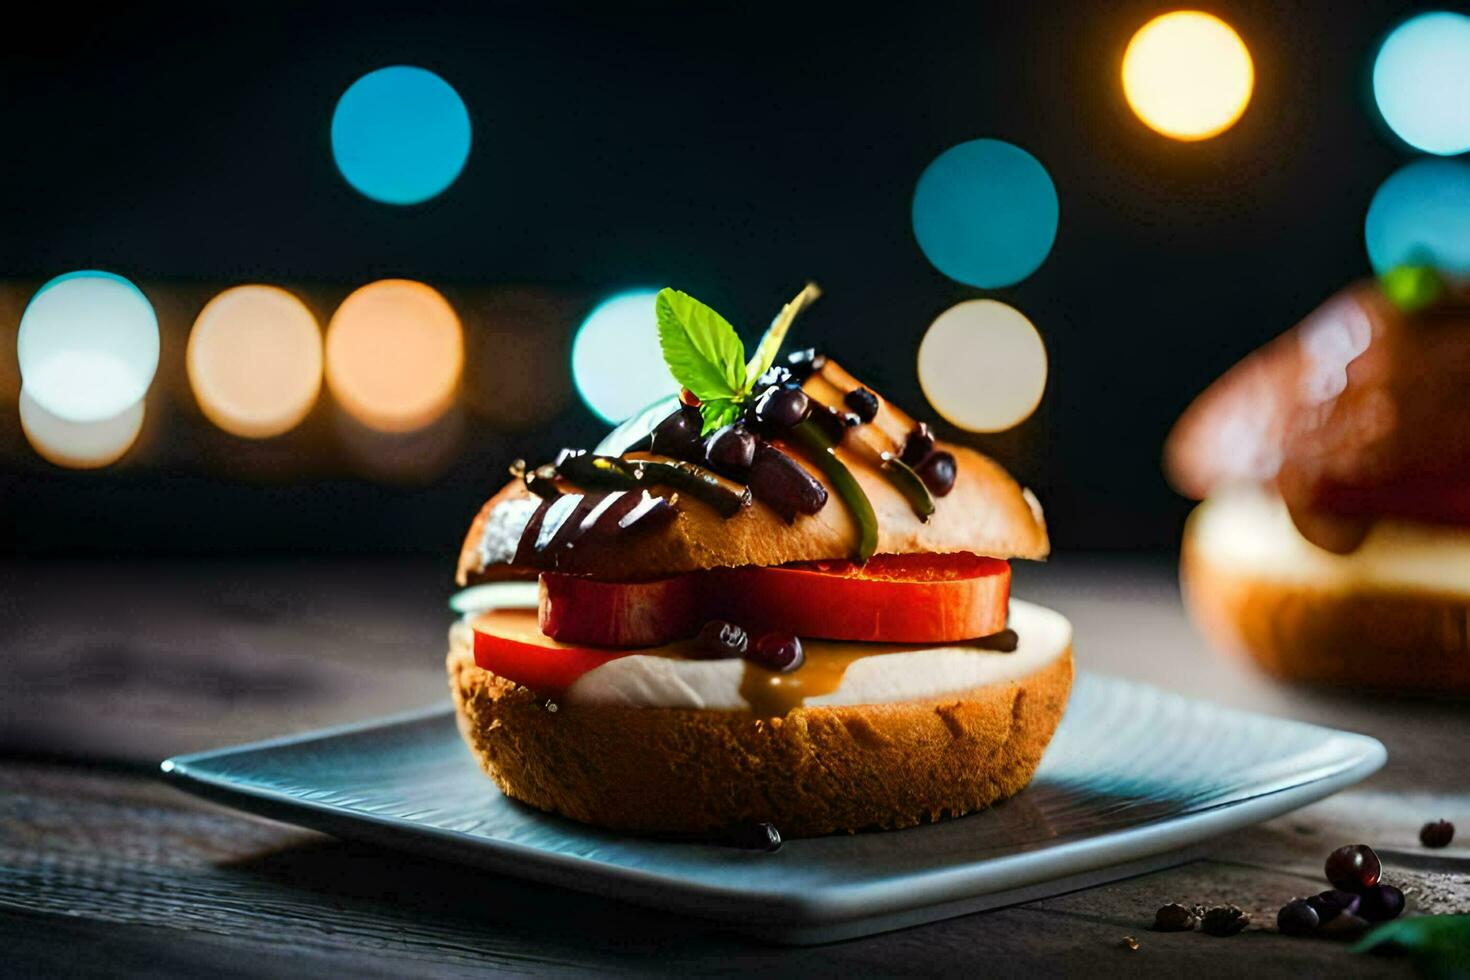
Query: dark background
pixel 732 151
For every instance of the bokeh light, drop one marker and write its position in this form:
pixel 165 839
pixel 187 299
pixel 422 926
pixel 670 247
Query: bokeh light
pixel 401 135
pixel 79 445
pixel 255 361
pixel 982 365
pixel 985 213
pixel 1420 215
pixel 617 364
pixel 1421 82
pixel 87 346
pixel 1188 75
pixel 395 350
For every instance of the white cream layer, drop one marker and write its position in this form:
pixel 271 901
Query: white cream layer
pixel 1249 528
pixel 912 674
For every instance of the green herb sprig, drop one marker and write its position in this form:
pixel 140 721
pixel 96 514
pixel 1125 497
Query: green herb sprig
pixel 705 355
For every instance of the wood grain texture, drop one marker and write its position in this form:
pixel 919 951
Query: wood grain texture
pixel 204 886
pixel 105 871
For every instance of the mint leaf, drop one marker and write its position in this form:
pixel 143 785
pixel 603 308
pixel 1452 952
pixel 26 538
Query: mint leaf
pixel 770 345
pixel 702 350
pixel 1412 287
pixel 718 412
pixel 1438 944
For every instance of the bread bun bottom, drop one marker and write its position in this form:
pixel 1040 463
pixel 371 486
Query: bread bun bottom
pixel 1393 616
pixel 818 770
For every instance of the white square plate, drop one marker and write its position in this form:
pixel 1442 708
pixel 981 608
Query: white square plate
pixel 1134 776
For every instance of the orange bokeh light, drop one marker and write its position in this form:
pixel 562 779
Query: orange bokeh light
pixel 255 361
pixel 395 351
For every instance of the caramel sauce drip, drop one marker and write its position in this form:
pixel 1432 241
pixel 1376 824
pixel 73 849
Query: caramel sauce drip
pixel 773 695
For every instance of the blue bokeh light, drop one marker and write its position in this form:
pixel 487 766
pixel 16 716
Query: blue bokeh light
pixel 985 213
pixel 1421 82
pixel 400 135
pixel 1420 215
pixel 617 364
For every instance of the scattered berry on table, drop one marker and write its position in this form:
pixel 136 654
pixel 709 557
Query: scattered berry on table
pixel 1174 918
pixel 1330 904
pixel 1353 867
pixel 1437 833
pixel 1381 903
pixel 1224 920
pixel 1297 918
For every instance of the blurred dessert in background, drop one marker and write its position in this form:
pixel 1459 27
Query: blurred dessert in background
pixel 1333 543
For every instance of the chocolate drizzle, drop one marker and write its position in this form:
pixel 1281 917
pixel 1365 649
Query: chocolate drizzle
pixel 526 546
pixel 558 524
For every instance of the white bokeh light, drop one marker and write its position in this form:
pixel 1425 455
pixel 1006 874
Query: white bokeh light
pixel 617 364
pixel 80 445
pixel 88 346
pixel 983 365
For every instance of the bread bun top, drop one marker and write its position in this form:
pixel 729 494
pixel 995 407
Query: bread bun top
pixel 1358 412
pixel 986 512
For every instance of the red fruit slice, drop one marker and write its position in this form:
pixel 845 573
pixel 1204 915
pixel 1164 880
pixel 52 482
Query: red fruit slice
pixel 891 599
pixel 508 643
pixel 619 614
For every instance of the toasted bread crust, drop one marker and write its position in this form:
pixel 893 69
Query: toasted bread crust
pixel 1319 633
pixel 986 513
pixel 818 770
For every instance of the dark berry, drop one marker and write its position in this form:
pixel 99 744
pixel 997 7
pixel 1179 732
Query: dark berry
pixel 804 363
pixel 1381 903
pixel 863 403
pixel 678 434
pixel 1174 918
pixel 1297 918
pixel 719 640
pixel 832 424
pixel 1006 641
pixel 918 445
pixel 783 484
pixel 1330 904
pixel 730 450
pixel 777 651
pixel 1224 920
pixel 755 837
pixel 938 472
pixel 1437 834
pixel 782 408
pixel 1353 868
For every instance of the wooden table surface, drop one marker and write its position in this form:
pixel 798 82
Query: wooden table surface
pixel 106 668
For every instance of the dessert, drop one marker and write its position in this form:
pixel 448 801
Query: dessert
pixel 776 598
pixel 1333 544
